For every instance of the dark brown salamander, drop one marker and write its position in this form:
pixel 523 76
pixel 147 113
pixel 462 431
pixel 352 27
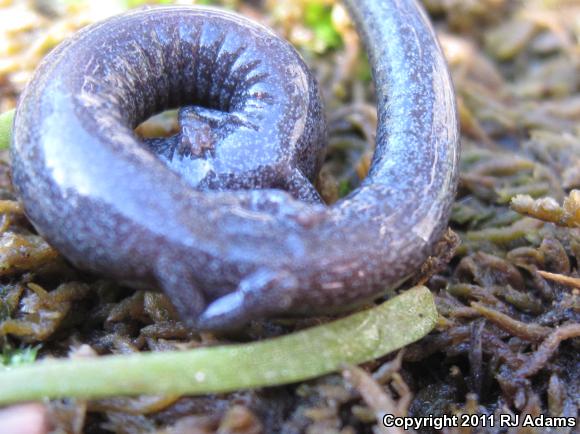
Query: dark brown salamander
pixel 141 212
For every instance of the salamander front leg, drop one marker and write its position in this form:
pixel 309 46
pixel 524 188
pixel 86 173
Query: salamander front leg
pixel 263 293
pixel 301 188
pixel 178 284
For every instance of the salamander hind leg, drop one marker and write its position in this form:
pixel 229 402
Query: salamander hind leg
pixel 176 281
pixel 261 294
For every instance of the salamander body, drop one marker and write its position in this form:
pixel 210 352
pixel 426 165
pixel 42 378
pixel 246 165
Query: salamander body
pixel 203 214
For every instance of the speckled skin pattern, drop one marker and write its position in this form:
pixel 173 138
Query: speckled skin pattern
pixel 141 212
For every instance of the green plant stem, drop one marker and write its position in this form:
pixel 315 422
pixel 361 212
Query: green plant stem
pixel 6 128
pixel 310 353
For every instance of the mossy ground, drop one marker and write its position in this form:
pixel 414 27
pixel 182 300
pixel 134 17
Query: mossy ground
pixel 508 294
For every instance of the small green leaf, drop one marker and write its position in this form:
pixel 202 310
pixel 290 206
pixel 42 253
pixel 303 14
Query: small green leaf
pixel 6 129
pixel 344 188
pixel 136 3
pixel 364 72
pixel 318 17
pixel 12 357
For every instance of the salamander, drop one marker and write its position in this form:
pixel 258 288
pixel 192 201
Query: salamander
pixel 223 216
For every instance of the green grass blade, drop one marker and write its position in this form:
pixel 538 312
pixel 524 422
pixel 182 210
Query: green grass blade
pixel 310 353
